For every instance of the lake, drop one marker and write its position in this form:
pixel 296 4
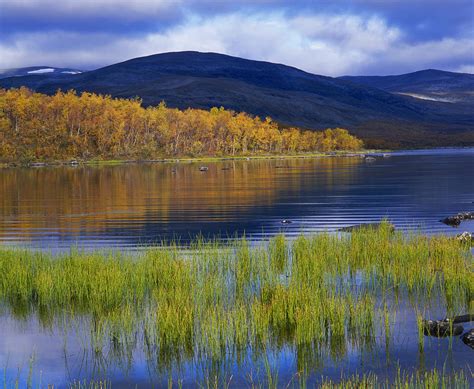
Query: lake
pixel 127 207
pixel 133 205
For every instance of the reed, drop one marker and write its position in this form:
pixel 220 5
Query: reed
pixel 404 379
pixel 217 302
pixel 419 379
pixel 101 384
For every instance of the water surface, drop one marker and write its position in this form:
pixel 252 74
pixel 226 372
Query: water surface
pixel 131 205
pixel 137 204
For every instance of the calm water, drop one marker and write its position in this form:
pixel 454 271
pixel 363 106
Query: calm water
pixel 130 205
pixel 63 356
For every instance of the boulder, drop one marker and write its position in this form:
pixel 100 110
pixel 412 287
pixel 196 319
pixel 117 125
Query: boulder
pixel 462 318
pixel 453 221
pixel 465 237
pixel 468 338
pixel 457 219
pixel 466 215
pixel 441 328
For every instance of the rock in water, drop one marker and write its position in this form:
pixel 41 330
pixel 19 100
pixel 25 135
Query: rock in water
pixel 465 237
pixel 456 220
pixel 453 221
pixel 37 164
pixel 441 328
pixel 462 318
pixel 203 169
pixel 466 215
pixel 468 338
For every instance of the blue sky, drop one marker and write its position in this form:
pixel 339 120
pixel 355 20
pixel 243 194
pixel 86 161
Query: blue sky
pixel 324 37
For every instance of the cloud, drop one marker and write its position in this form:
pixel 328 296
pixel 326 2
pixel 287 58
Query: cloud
pixel 324 44
pixel 120 17
pixel 445 54
pixel 465 69
pixel 329 40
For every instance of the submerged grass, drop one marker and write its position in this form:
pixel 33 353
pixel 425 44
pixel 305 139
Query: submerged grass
pixel 320 294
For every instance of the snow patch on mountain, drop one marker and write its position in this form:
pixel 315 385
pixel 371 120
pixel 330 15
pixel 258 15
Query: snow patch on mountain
pixel 41 71
pixel 430 98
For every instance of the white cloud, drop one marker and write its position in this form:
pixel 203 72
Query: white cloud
pixel 323 44
pixel 464 69
pixel 444 54
pixel 319 43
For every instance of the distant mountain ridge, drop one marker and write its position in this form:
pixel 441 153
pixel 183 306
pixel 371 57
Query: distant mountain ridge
pixel 430 84
pixel 287 94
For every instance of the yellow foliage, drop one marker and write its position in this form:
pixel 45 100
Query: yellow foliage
pixel 66 125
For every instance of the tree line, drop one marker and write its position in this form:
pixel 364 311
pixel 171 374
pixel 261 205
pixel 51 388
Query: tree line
pixel 67 125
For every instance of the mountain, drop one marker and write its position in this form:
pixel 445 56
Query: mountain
pixel 288 95
pixel 431 84
pixel 37 70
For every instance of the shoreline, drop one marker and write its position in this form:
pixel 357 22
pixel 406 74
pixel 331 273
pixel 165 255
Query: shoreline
pixel 206 159
pixel 213 159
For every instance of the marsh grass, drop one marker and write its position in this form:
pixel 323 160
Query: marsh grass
pixel 404 380
pixel 216 302
pixel 101 384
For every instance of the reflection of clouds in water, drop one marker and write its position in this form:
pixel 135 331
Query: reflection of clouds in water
pixel 20 339
pixel 438 352
pixel 58 358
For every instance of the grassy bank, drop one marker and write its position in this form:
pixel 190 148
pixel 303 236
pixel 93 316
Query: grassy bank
pixel 320 295
pixel 188 159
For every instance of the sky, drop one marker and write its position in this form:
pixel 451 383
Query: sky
pixel 358 37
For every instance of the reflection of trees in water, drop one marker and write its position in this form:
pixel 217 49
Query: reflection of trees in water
pixel 72 201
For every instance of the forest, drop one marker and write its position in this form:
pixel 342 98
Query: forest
pixel 68 125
